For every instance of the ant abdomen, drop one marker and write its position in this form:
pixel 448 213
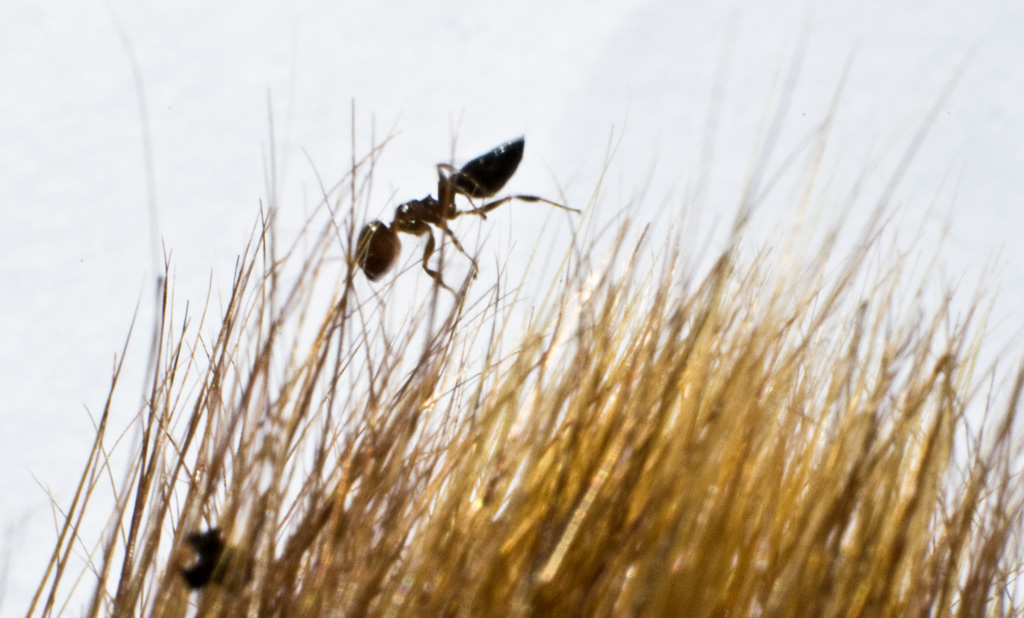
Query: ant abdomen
pixel 487 174
pixel 377 249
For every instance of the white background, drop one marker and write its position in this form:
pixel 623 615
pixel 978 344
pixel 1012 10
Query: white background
pixel 75 250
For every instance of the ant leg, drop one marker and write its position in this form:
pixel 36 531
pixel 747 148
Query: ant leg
pixel 458 245
pixel 420 228
pixel 446 186
pixel 436 276
pixel 525 198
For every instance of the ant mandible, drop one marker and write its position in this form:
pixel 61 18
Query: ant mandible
pixel 378 245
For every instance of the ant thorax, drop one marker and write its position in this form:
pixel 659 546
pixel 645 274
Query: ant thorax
pixel 427 210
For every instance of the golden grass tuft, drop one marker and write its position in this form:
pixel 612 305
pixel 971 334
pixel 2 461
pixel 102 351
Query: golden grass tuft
pixel 756 440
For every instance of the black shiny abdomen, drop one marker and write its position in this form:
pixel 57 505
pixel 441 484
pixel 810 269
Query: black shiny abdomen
pixel 487 174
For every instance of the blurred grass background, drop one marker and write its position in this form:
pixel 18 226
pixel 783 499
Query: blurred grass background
pixel 783 432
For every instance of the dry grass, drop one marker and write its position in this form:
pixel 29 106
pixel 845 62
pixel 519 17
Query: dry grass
pixel 756 440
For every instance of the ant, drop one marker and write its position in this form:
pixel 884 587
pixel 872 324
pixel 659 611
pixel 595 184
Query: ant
pixel 378 245
pixel 215 562
pixel 208 566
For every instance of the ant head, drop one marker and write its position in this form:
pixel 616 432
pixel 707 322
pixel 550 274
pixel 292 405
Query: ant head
pixel 377 249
